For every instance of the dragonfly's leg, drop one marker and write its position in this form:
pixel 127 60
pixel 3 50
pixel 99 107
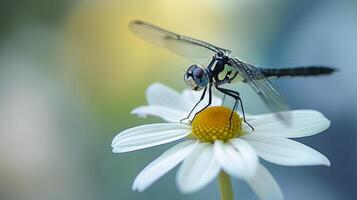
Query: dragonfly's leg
pixel 234 109
pixel 209 100
pixel 202 97
pixel 241 103
pixel 236 96
pixel 244 119
pixel 235 102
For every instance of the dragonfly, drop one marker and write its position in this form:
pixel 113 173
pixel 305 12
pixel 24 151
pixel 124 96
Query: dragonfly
pixel 223 69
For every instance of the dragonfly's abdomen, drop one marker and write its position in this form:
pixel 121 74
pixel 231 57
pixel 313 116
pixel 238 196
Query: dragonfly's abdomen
pixel 297 71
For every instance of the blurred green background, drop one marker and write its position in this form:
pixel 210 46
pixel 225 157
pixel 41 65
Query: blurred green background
pixel 71 72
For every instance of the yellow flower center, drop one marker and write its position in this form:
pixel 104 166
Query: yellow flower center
pixel 213 124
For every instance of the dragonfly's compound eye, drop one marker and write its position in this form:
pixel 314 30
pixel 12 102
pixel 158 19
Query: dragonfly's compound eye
pixel 196 77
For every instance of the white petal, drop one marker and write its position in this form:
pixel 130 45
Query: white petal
pixel 161 95
pixel 232 161
pixel 264 185
pixel 283 151
pixel 192 97
pixel 198 169
pixel 302 123
pixel 149 135
pixel 164 163
pixel 249 155
pixel 168 114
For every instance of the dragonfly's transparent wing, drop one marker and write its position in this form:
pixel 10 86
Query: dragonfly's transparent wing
pixel 179 44
pixel 262 86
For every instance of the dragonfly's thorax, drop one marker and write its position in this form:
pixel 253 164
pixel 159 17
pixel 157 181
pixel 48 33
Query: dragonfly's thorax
pixel 220 71
pixel 217 64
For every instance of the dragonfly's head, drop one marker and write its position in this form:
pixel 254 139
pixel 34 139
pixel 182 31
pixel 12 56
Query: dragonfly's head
pixel 196 77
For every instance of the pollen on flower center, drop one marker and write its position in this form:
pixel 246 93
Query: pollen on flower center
pixel 213 124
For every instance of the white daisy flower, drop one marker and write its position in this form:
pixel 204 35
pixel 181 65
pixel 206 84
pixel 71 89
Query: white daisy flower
pixel 210 146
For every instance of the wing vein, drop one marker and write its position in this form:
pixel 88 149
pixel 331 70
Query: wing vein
pixel 179 44
pixel 261 85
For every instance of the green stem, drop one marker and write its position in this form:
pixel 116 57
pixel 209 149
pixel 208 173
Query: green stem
pixel 225 186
